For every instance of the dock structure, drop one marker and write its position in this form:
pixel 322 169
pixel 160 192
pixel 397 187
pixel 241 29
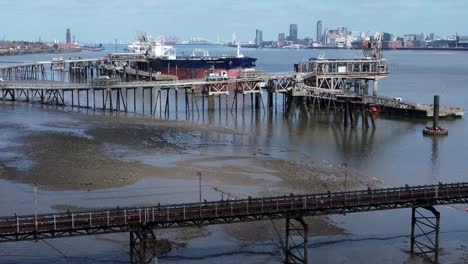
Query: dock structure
pixel 345 74
pixel 316 85
pixel 141 222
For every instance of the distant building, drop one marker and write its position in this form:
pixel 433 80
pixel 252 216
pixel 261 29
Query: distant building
pixel 281 37
pixel 409 37
pixel 293 33
pixel 319 31
pixel 69 40
pixel 281 40
pixel 387 36
pixel 258 38
pixel 462 42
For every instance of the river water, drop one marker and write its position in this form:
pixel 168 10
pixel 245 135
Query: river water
pixel 84 159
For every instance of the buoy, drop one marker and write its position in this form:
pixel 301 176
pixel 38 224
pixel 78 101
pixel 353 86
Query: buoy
pixel 430 131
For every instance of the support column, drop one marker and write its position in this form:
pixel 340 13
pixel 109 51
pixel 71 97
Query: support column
pixel 297 240
pixel 143 246
pixel 270 101
pixel 425 234
pixel 258 98
pixel 211 103
pixel 376 87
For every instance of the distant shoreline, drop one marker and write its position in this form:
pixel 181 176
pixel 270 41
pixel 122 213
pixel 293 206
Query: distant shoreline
pixel 386 49
pixel 425 49
pixel 45 51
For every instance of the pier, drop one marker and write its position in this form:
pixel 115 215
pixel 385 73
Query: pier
pixel 316 85
pixel 141 222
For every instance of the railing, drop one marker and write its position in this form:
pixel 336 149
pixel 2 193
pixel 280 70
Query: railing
pixel 27 64
pixel 389 101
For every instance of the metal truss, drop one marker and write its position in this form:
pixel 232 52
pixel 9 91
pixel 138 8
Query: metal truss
pixel 297 238
pixel 143 246
pixel 249 87
pixel 425 233
pixel 391 102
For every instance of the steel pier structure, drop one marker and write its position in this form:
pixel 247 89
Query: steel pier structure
pixel 141 222
pixel 316 85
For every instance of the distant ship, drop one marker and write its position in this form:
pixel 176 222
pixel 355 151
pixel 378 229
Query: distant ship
pixel 163 59
pixel 92 47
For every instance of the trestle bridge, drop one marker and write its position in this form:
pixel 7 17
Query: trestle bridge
pixel 141 222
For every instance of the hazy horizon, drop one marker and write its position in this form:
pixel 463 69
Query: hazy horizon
pixel 106 20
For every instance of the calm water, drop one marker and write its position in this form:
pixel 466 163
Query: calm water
pixel 395 153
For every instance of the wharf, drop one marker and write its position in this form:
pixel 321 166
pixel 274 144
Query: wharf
pixel 318 84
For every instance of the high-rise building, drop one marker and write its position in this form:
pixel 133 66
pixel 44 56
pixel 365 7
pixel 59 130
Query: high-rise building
pixel 258 38
pixel 281 37
pixel 68 36
pixel 319 30
pixel 293 33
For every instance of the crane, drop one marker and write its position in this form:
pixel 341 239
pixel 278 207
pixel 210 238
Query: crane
pixel 373 46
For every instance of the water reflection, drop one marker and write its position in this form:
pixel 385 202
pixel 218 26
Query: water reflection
pixel 435 168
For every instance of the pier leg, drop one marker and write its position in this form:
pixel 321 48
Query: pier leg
pixel 276 103
pixel 117 103
pixel 346 114
pixel 296 252
pixel 143 246
pixel 211 103
pixel 187 104
pixel 177 102
pixel 94 97
pixel 290 106
pixel 258 98
pixel 425 234
pixel 270 102
pixel 365 123
pixel 166 107
pixel 203 99
pixel 351 118
pixel 126 100
pixel 111 107
pixel 151 98
pixel 143 99
pixel 103 102
pixel 371 118
pixel 252 102
pixel 219 102
pixel 234 101
pixel 243 102
pixel 134 100
pixel 376 87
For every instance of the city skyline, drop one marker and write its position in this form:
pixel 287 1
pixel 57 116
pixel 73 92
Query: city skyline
pixel 109 20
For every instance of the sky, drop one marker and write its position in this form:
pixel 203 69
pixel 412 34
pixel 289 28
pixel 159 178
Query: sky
pixel 103 21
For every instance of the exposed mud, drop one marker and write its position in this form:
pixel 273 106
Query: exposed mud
pixel 102 155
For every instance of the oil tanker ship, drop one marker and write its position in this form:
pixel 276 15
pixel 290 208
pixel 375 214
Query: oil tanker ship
pixel 163 59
